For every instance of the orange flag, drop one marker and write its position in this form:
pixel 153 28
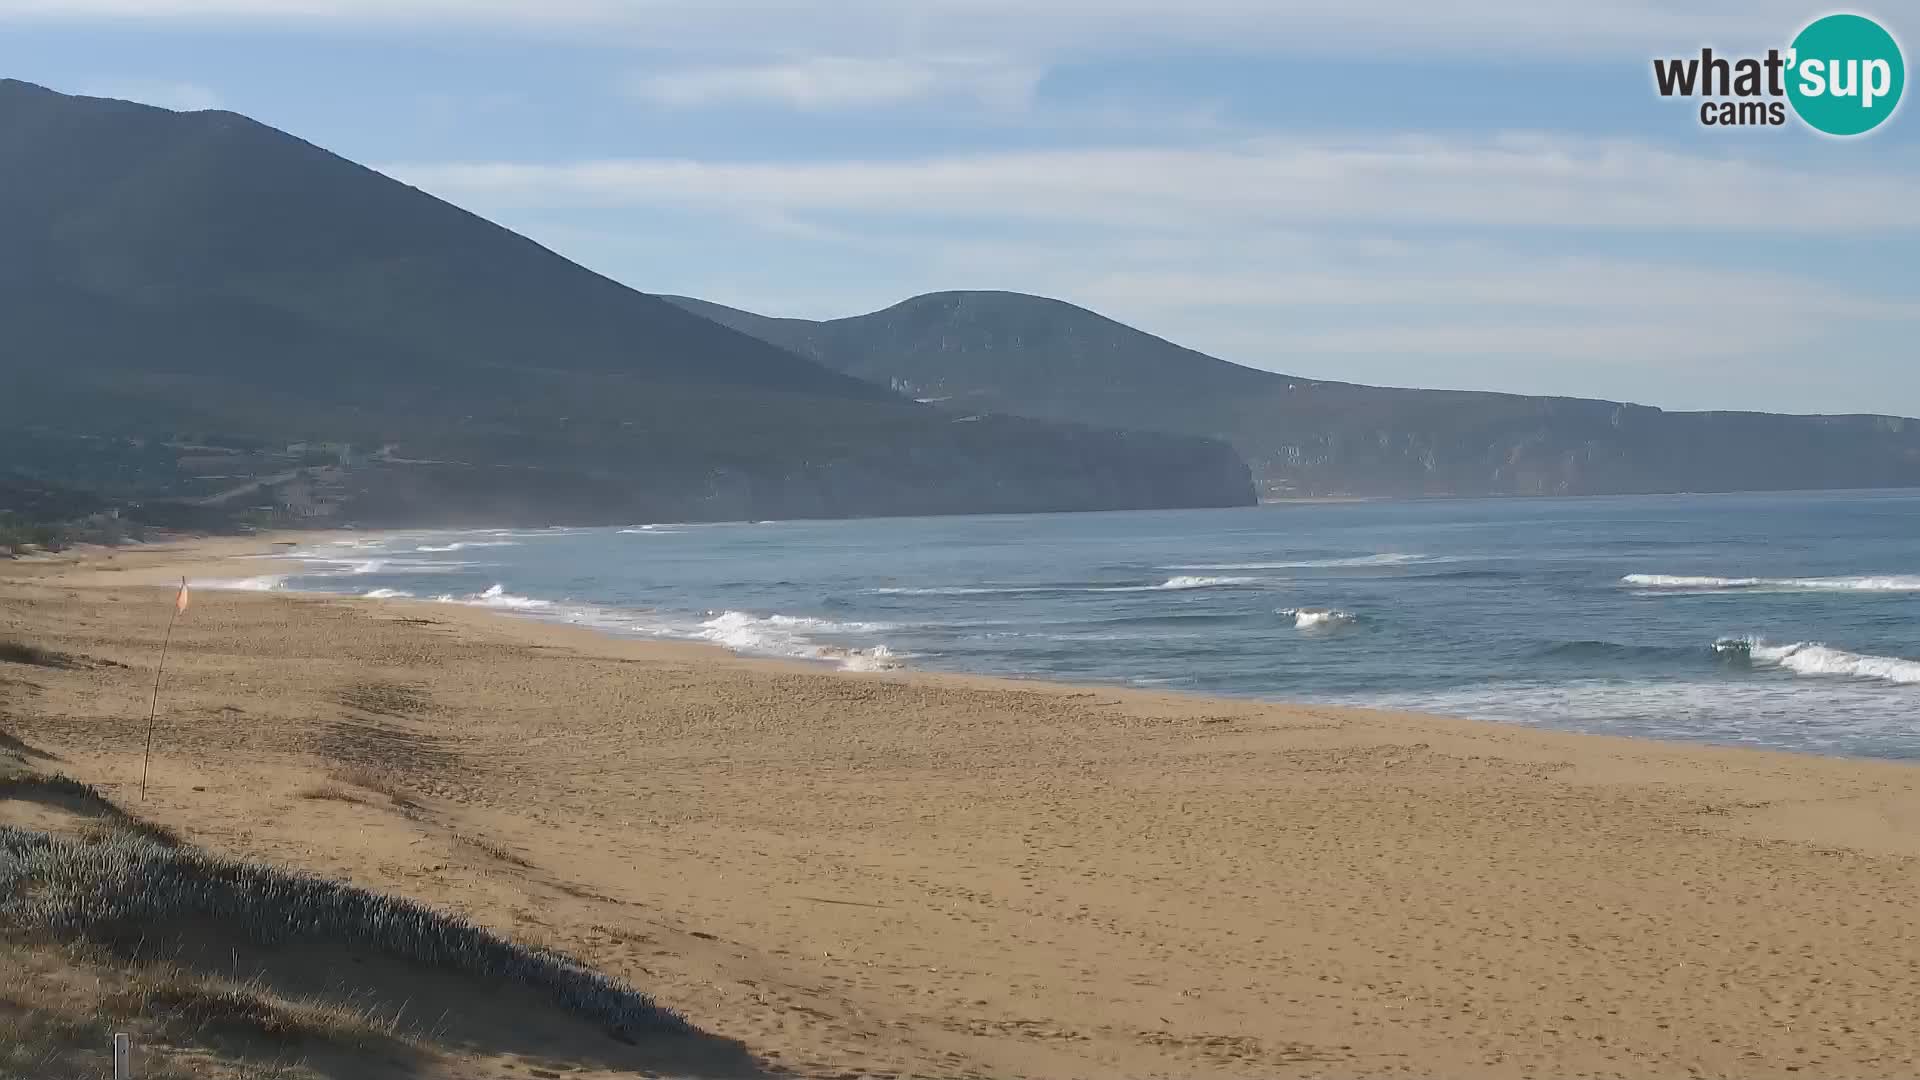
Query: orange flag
pixel 180 602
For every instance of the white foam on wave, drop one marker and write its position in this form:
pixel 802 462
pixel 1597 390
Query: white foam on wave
pixel 389 594
pixel 497 596
pixel 390 565
pixel 262 583
pixel 462 545
pixel 1703 583
pixel 878 658
pixel 961 590
pixel 1177 584
pixel 1832 716
pixel 784 636
pixel 805 623
pixel 1385 558
pixel 1318 618
pixel 682 526
pixel 1817 658
pixel 1172 584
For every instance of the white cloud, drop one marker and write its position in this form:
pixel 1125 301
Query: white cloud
pixel 1487 279
pixel 828 82
pixel 1496 181
pixel 1557 27
pixel 178 96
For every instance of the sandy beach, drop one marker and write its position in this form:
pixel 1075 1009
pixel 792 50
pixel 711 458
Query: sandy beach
pixel 914 875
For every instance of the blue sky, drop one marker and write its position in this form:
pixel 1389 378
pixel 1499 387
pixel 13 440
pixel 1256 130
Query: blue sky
pixel 1482 194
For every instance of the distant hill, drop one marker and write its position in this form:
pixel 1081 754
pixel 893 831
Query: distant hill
pixel 171 278
pixel 1043 358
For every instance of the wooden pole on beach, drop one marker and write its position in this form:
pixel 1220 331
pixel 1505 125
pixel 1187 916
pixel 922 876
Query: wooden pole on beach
pixel 153 707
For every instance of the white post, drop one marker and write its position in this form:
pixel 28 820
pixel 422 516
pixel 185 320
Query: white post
pixel 122 1057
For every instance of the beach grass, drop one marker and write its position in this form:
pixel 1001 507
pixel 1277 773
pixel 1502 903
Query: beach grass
pixel 93 918
pixel 123 887
pixel 84 799
pixel 365 778
pixel 62 1003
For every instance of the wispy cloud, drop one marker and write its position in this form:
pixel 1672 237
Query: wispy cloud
pixel 1486 279
pixel 178 96
pixel 1376 265
pixel 830 82
pixel 1511 180
pixel 1557 27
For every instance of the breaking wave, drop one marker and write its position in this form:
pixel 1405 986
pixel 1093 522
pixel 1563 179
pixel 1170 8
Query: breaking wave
pixel 327 566
pixel 263 583
pixel 1172 584
pixel 1176 584
pixel 878 658
pixel 462 545
pixel 497 596
pixel 1387 558
pixel 1865 583
pixel 1815 658
pixel 1319 618
pixel 389 594
pixel 786 636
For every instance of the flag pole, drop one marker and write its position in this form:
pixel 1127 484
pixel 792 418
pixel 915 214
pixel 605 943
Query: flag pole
pixel 153 707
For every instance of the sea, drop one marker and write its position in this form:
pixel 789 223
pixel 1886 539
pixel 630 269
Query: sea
pixel 1789 621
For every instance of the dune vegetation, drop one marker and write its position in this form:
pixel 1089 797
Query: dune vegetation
pixel 110 923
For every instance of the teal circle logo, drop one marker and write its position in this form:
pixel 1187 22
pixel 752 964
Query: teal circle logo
pixel 1846 75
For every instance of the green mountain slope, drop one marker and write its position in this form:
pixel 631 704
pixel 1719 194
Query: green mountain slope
pixel 175 276
pixel 1043 358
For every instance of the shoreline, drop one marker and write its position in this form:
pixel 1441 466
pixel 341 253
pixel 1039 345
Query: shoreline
pixel 947 876
pixel 210 559
pixel 159 566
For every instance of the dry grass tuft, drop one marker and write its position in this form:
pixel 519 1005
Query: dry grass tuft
pixel 188 1005
pixel 61 1004
pixel 491 849
pixel 367 778
pixel 331 793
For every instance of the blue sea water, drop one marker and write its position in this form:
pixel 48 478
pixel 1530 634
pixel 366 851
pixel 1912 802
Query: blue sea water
pixel 1782 620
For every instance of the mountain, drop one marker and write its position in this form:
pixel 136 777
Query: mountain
pixel 179 280
pixel 1046 359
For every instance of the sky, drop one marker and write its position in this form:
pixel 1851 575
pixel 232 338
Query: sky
pixel 1481 194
